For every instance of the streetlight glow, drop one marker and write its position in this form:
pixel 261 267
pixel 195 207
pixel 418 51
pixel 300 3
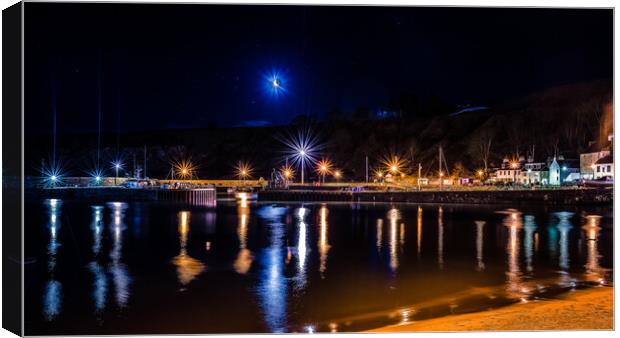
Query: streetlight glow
pixel 185 169
pixel 393 164
pixel 243 170
pixel 302 148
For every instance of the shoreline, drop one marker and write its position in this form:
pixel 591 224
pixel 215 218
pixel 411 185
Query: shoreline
pixel 587 309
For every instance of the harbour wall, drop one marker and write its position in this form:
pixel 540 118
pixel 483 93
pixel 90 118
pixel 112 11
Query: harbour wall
pixel 550 197
pixel 202 196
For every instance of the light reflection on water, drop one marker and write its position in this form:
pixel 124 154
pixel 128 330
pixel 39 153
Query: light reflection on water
pixel 52 296
pixel 119 271
pixel 480 244
pixel 100 283
pixel 244 257
pixel 529 227
pixel 323 239
pixel 514 282
pixel 287 262
pixel 272 286
pixel 594 272
pixel 188 268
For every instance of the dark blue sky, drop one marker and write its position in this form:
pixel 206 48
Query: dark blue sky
pixel 176 66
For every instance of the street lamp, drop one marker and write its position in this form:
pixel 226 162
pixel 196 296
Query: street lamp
pixel 337 174
pixel 324 167
pixel 302 154
pixel 117 166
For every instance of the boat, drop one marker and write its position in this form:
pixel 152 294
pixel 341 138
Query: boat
pixel 247 196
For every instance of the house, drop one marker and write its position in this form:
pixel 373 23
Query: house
pixel 510 171
pixel 604 167
pixel 532 173
pixel 587 160
pixel 553 173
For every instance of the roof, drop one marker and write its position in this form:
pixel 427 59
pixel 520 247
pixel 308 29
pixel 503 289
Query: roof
pixel 609 159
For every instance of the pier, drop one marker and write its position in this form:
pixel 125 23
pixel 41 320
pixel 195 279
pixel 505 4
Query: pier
pixel 198 197
pixel 202 196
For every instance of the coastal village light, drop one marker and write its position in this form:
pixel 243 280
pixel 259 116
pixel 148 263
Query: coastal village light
pixel 324 167
pixel 243 170
pixel 302 149
pixel 185 169
pixel 116 165
pixel 393 164
pixel 337 174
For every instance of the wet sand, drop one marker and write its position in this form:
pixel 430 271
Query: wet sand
pixel 590 309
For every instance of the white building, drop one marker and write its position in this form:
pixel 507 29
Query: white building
pixel 604 167
pixel 554 173
pixel 510 171
pixel 532 173
pixel 587 161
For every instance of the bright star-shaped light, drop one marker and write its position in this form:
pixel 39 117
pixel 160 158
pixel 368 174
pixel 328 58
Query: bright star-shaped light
pixel 394 163
pixel 117 164
pixel 185 169
pixel 275 83
pixel 96 174
pixel 243 170
pixel 302 148
pixel 287 171
pixel 52 174
pixel 324 167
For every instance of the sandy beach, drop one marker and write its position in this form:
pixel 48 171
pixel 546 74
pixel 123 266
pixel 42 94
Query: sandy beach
pixel 590 309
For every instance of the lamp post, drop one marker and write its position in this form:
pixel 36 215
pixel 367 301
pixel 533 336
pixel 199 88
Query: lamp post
pixel 323 170
pixel 302 154
pixel 116 166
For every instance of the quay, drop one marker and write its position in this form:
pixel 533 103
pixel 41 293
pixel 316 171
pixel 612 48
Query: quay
pixel 546 196
pixel 206 196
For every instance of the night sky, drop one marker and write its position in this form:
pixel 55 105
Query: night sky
pixel 191 66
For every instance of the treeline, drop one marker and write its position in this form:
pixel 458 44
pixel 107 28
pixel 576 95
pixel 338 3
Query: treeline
pixel 561 120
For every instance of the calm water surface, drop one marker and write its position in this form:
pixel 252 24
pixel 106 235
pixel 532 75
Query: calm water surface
pixel 120 268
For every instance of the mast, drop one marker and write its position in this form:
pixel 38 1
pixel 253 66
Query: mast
pixel 440 173
pixel 366 169
pixel 144 169
pixel 98 111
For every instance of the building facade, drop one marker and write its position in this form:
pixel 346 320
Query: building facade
pixel 604 167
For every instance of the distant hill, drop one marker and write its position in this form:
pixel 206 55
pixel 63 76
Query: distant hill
pixel 563 119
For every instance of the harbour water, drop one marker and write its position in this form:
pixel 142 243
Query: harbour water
pixel 150 267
